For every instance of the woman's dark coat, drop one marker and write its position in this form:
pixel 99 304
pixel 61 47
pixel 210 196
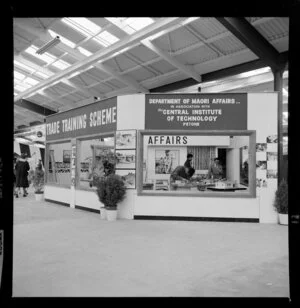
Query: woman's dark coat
pixel 22 168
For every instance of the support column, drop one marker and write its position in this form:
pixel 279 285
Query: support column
pixel 278 86
pixel 73 173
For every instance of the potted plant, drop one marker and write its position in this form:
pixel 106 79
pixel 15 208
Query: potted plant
pixel 111 190
pixel 38 183
pixel 281 202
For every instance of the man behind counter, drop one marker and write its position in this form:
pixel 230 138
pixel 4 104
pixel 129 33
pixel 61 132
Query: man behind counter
pixel 181 173
pixel 215 170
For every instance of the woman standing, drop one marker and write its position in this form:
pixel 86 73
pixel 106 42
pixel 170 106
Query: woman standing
pixel 22 168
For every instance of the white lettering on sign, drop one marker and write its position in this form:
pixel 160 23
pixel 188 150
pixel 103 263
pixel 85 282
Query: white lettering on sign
pixel 102 117
pixel 223 101
pixel 74 123
pixel 52 128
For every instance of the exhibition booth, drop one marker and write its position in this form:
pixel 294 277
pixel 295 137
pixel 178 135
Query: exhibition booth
pixel 148 136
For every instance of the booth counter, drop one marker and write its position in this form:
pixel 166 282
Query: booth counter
pixel 147 136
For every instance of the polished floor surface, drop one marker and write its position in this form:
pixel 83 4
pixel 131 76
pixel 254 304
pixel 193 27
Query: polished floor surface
pixel 59 251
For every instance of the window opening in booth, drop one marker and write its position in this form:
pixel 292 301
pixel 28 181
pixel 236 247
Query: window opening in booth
pixel 59 163
pixel 97 158
pixel 196 163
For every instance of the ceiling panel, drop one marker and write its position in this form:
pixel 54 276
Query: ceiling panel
pixel 181 38
pixel 143 53
pixel 208 27
pixel 229 44
pixel 67 32
pixel 274 29
pixel 120 63
pixel 98 74
pixel 103 88
pixel 92 46
pixel 162 66
pixel 140 74
pixel 197 56
pixel 117 84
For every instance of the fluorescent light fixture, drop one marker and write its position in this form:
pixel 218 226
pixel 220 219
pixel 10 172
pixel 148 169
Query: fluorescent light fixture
pixel 48 45
pixel 45 57
pixel 82 25
pixel 31 81
pixel 285 92
pixel 25 67
pixel 63 39
pixel 84 51
pixel 60 64
pixel 18 75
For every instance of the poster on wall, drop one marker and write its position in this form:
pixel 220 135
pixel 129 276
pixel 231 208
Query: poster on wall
pixel 128 176
pixel 261 147
pixel 125 159
pixel 261 164
pixel 66 156
pixel 166 161
pixel 126 139
pixel 272 139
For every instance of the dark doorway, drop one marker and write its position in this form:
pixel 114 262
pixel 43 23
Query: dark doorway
pixel 222 157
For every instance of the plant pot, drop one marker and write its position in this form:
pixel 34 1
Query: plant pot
pixel 103 212
pixel 283 219
pixel 111 214
pixel 39 197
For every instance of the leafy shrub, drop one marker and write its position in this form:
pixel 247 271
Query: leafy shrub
pixel 281 198
pixel 38 180
pixel 111 190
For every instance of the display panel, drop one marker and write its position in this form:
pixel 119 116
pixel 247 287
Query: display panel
pixel 94 154
pixel 197 163
pixel 58 171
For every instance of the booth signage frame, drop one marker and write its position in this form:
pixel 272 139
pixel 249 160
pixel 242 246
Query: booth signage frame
pixel 252 162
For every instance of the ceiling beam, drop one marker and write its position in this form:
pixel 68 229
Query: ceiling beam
pixel 219 74
pixel 253 40
pixel 105 52
pixel 183 68
pixel 24 103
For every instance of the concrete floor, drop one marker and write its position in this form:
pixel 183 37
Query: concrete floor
pixel 59 251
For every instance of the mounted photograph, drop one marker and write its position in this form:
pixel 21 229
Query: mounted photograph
pixel 126 139
pixel 125 159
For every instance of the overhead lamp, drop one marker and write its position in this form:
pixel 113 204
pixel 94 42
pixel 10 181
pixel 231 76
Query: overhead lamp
pixel 48 45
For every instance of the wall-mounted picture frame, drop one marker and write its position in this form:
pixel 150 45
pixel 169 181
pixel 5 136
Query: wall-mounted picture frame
pixel 272 139
pixel 67 156
pixel 261 147
pixel 126 139
pixel 128 176
pixel 125 159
